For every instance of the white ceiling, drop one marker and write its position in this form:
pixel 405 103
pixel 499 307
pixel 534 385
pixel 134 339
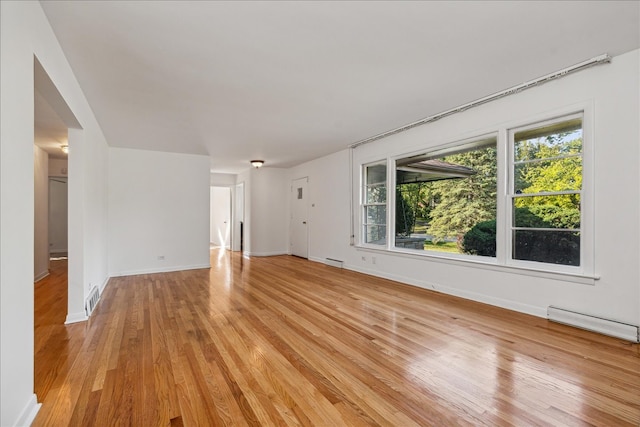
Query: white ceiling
pixel 291 81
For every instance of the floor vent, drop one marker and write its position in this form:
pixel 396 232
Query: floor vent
pixel 333 262
pixel 92 301
pixel 595 324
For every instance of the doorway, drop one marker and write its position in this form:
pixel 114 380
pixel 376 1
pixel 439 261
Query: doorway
pixel 299 212
pixel 220 217
pixel 56 129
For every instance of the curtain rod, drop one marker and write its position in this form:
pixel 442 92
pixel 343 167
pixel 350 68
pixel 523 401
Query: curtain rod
pixel 601 59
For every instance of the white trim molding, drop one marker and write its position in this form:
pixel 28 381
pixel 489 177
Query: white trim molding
pixel 29 412
pixel 468 295
pixel 81 316
pixel 104 284
pixel 262 254
pixel 159 270
pixel 41 276
pixel 594 324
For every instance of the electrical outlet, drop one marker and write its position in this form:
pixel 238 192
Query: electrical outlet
pixel 160 257
pixel 373 260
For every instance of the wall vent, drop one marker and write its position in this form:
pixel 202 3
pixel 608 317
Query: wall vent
pixel 333 262
pixel 595 324
pixel 92 301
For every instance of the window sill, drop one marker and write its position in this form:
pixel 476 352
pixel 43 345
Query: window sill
pixel 487 263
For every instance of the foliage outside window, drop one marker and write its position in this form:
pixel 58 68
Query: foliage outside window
pixel 374 204
pixel 443 196
pixel 446 199
pixel 546 189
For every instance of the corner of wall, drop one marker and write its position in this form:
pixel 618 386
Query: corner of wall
pixel 75 318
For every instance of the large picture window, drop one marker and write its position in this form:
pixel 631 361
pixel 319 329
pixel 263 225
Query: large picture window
pixel 513 198
pixel 374 204
pixel 446 199
pixel 545 192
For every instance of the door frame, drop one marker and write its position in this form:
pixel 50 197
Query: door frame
pixel 237 216
pixel 306 216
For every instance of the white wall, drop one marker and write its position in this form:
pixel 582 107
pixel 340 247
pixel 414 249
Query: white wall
pixel 158 207
pixel 220 208
pixel 269 225
pixel 25 32
pixel 41 213
pixel 58 167
pixel 613 92
pixel 223 179
pixel 328 189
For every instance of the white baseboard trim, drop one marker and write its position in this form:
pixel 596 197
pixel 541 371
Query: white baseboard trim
pixel 29 412
pixel 334 262
pixel 81 316
pixel 41 276
pixel 159 270
pixel 104 284
pixel 588 322
pixel 594 324
pixel 473 296
pixel 259 254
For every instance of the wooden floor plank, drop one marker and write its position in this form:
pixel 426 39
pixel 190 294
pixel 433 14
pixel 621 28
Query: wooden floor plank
pixel 284 341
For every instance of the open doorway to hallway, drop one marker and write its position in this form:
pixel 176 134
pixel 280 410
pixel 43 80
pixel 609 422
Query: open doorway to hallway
pixel 50 186
pixel 52 120
pixel 51 167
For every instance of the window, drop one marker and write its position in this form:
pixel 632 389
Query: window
pixel 511 198
pixel 546 192
pixel 446 199
pixel 374 204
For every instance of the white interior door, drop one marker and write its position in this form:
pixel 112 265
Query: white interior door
pixel 220 216
pixel 58 215
pixel 299 212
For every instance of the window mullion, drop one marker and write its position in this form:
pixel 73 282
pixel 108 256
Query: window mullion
pixel 373 198
pixel 547 193
pixel 502 202
pixel 391 203
pixel 547 159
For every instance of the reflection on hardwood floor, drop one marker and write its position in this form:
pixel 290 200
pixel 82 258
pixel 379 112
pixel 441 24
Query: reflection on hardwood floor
pixel 285 341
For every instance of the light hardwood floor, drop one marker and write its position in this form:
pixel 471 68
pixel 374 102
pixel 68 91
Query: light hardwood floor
pixel 284 341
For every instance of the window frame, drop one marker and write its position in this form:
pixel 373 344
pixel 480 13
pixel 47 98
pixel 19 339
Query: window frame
pixel 442 150
pixel 364 204
pixel 583 274
pixel 585 235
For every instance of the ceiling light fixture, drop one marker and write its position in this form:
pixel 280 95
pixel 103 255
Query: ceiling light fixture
pixel 65 149
pixel 257 163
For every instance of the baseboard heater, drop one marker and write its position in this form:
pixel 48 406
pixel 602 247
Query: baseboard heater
pixel 333 262
pixel 595 324
pixel 92 301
